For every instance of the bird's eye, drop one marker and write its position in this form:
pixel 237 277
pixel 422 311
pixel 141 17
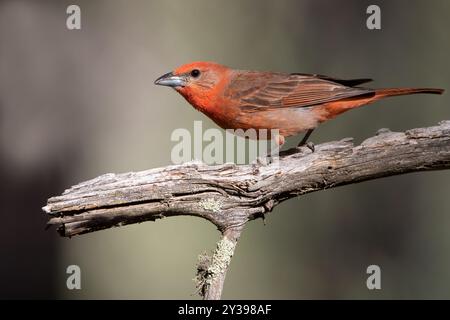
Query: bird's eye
pixel 195 73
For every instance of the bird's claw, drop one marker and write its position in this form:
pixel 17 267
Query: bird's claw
pixel 309 145
pixel 263 160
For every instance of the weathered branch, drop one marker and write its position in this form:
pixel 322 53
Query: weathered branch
pixel 229 195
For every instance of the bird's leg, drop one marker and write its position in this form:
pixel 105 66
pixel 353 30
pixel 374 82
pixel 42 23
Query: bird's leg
pixel 305 142
pixel 305 138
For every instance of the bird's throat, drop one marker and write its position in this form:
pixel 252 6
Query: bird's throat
pixel 202 101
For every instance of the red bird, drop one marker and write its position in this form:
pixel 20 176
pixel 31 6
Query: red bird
pixel 291 103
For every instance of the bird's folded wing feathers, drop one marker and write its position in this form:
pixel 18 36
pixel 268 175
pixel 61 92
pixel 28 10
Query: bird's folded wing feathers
pixel 345 82
pixel 272 91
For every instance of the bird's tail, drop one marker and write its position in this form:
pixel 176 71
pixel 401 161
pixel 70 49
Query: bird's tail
pixel 337 107
pixel 381 93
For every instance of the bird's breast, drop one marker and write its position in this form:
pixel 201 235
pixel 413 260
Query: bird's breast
pixel 288 121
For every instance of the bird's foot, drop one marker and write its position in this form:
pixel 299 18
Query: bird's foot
pixel 309 145
pixel 267 158
pixel 263 160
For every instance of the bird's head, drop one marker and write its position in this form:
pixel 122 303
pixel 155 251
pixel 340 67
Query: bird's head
pixel 199 82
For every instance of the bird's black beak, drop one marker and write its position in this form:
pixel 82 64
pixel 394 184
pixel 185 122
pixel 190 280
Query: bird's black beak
pixel 171 80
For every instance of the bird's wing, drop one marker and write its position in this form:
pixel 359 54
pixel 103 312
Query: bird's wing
pixel 264 91
pixel 345 82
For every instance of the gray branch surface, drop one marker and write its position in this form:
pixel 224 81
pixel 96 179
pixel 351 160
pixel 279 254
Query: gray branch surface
pixel 230 195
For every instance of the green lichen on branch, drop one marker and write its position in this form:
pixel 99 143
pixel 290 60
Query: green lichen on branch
pixel 211 204
pixel 209 268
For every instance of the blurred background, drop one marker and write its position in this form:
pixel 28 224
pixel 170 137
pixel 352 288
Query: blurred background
pixel 77 104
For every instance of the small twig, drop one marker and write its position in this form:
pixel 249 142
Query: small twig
pixel 211 271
